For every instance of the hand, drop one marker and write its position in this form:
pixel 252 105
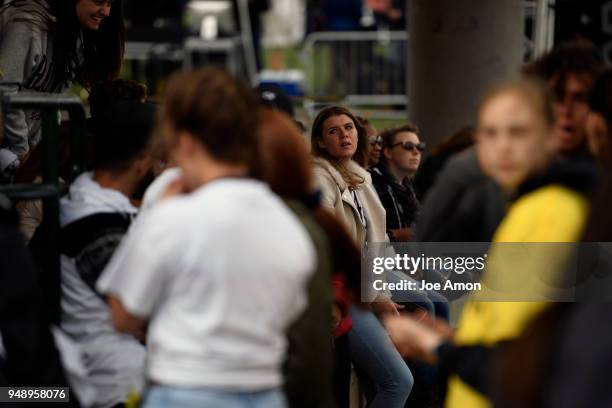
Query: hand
pixel 413 339
pixel 385 306
pixel 395 14
pixel 336 316
pixel 437 325
pixel 402 234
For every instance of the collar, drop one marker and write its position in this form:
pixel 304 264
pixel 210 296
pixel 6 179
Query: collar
pixel 381 170
pixel 578 175
pixel 85 197
pixel 351 166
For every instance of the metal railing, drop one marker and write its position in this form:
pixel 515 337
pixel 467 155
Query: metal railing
pixel 366 67
pixel 369 68
pixel 50 190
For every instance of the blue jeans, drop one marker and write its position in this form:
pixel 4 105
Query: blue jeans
pixel 389 379
pixel 176 397
pixel 432 302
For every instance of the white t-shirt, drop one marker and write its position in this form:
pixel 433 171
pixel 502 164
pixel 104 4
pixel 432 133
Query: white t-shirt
pixel 221 272
pixel 158 187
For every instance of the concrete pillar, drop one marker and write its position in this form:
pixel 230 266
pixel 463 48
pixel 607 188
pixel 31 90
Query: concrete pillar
pixel 457 49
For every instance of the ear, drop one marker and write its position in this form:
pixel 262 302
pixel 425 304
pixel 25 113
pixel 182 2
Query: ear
pixel 387 153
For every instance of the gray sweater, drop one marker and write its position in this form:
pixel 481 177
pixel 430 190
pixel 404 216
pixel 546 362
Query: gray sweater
pixel 26 53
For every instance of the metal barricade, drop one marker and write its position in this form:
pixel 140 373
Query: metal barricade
pixel 50 190
pixel 222 51
pixel 369 68
pixel 161 59
pixel 357 67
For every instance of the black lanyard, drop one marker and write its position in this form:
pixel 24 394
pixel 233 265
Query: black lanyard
pixel 362 216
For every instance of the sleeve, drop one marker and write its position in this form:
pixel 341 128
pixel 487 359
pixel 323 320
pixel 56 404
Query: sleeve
pixel 469 363
pixel 327 186
pixel 15 52
pixel 138 271
pixel 581 364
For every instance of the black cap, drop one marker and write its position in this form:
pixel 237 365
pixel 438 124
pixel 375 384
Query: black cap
pixel 274 97
pixel 122 132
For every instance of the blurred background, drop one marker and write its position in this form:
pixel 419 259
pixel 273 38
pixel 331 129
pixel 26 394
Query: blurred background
pixel 352 52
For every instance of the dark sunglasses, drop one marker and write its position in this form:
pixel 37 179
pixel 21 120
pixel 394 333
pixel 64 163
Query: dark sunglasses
pixel 377 140
pixel 411 146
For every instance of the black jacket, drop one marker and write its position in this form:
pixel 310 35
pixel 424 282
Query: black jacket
pixel 399 200
pixel 462 206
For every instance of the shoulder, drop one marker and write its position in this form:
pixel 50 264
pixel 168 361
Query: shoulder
pixel 375 172
pixel 155 192
pixel 324 167
pixel 554 199
pixel 31 17
pixel 17 33
pixel 379 180
pixel 551 213
pixel 326 176
pixel 356 169
pixel 165 216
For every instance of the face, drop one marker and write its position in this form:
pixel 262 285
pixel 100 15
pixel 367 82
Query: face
pixel 513 141
pixel 339 137
pixel 571 110
pixel 91 13
pixel 405 160
pixel 375 145
pixel 597 133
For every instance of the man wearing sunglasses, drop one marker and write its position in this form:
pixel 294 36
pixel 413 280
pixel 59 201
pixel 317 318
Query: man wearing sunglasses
pixel 392 178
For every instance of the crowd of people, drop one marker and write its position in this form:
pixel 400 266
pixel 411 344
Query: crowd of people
pixel 212 257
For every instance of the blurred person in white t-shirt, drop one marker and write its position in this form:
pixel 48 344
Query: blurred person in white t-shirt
pixel 218 272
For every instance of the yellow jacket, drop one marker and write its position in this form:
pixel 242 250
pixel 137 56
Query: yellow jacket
pixel 549 214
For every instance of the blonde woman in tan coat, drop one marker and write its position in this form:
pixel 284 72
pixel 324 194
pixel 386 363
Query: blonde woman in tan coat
pixel 347 190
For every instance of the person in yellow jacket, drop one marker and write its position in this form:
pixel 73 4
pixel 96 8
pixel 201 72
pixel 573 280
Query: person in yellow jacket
pixel 514 147
pixel 514 144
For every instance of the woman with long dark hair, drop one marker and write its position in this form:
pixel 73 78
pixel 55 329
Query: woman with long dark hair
pixel 45 45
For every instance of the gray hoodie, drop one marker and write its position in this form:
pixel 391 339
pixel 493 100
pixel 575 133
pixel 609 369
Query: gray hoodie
pixel 26 54
pixel 115 362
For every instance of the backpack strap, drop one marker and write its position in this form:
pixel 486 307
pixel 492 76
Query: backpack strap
pixel 92 240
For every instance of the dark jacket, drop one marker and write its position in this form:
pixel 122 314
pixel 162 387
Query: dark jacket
pixel 512 371
pixel 462 206
pixel 307 369
pixel 30 357
pixel 400 200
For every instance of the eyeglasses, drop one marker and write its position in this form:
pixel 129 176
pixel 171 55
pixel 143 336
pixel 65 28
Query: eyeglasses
pixel 376 140
pixel 411 146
